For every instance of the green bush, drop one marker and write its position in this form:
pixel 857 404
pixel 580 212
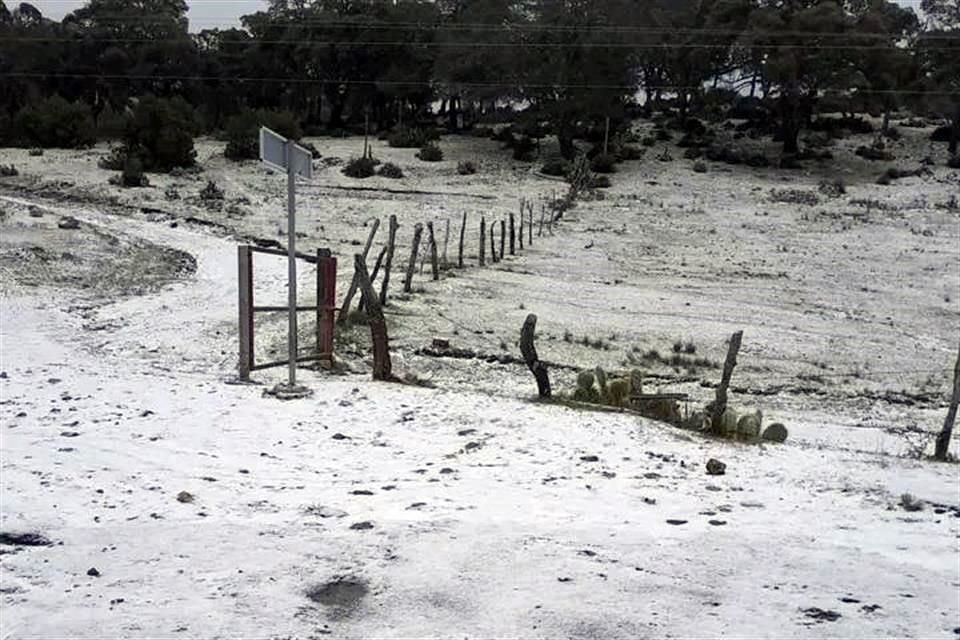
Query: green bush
pixel 412 138
pixel 390 170
pixel 8 171
pixel 628 152
pixel 160 133
pixel 604 163
pixel 600 182
pixel 116 160
pixel 430 153
pixel 360 168
pixel 211 192
pixel 466 168
pixel 559 168
pixel 954 162
pixel 54 122
pixel 524 148
pixel 132 175
pixel 243 131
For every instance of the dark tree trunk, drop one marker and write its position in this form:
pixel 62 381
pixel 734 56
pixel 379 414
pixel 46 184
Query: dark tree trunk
pixel 529 352
pixel 789 124
pixel 382 367
pixel 943 440
pixel 565 133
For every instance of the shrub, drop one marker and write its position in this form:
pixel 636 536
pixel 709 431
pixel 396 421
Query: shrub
pixel 430 153
pixel 36 152
pixel 700 166
pixel 54 122
pixel 360 168
pixel 160 133
pixel 116 160
pixel 627 152
pixel 8 171
pixel 390 170
pixel 558 168
pixel 171 193
pixel 941 134
pixel 892 133
pixel 604 163
pixel 524 148
pixel 412 138
pixel 466 168
pixel 954 162
pixel 794 196
pixel 648 141
pixel 874 153
pixel 837 126
pixel 600 182
pixel 243 132
pixel 692 153
pixel 757 160
pixel 663 135
pixel 211 192
pixel 832 188
pixel 132 175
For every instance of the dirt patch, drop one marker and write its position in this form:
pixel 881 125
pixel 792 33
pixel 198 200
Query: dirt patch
pixel 36 250
pixel 342 596
pixel 24 540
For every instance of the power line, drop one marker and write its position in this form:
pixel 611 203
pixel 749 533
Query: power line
pixel 420 83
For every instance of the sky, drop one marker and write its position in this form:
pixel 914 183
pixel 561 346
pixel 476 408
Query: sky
pixel 204 14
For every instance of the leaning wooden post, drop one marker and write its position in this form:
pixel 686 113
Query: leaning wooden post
pixel 435 266
pixel 943 440
pixel 720 403
pixel 382 368
pixel 503 238
pixel 543 212
pixel 483 241
pixel 345 309
pixel 446 240
pixel 493 243
pixel 373 278
pixel 463 230
pixel 245 281
pixel 513 237
pixel 411 267
pixel 388 266
pixel 529 352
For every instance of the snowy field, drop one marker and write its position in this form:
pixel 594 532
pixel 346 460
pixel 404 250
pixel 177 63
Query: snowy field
pixel 468 509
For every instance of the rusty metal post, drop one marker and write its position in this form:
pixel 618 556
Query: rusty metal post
pixel 326 301
pixel 245 286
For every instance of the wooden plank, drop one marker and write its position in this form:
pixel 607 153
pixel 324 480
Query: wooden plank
pixel 245 287
pixel 282 252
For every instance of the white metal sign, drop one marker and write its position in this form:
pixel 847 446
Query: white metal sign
pixel 273 153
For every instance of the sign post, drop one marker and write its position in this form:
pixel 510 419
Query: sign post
pixel 283 154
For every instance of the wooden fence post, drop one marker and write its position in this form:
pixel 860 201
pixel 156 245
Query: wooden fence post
pixel 520 235
pixel 529 352
pixel 446 240
pixel 493 242
pixel 483 240
pixel 433 252
pixel 943 440
pixel 245 282
pixel 364 304
pixel 388 266
pixel 543 212
pixel 513 237
pixel 503 238
pixel 408 283
pixel 463 230
pixel 326 301
pixel 720 403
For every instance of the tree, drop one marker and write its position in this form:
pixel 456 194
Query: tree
pixel 937 49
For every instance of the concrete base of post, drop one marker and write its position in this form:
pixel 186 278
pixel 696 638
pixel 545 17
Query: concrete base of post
pixel 284 391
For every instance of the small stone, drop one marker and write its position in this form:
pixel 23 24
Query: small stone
pixel 340 436
pixel 93 573
pixel 717 523
pixel 362 492
pixel 676 522
pixel 361 526
pixel 589 458
pixel 244 471
pixel 466 432
pixel 68 222
pixel 446 470
pixel 185 497
pixel 715 467
pixel 776 432
pixel 69 434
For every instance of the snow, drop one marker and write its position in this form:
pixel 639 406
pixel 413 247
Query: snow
pixel 485 520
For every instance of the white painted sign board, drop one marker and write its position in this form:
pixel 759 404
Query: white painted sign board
pixel 273 153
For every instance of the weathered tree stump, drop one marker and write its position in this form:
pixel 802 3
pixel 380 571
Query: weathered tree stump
pixel 513 237
pixel 483 241
pixel 503 238
pixel 463 230
pixel 529 353
pixel 520 233
pixel 493 243
pixel 412 266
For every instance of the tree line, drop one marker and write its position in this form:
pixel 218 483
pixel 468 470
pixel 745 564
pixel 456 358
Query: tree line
pixel 342 65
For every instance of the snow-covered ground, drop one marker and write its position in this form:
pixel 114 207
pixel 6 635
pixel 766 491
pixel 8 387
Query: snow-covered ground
pixel 468 510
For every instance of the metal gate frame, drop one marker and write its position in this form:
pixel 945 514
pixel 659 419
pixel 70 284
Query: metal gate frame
pixel 325 307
